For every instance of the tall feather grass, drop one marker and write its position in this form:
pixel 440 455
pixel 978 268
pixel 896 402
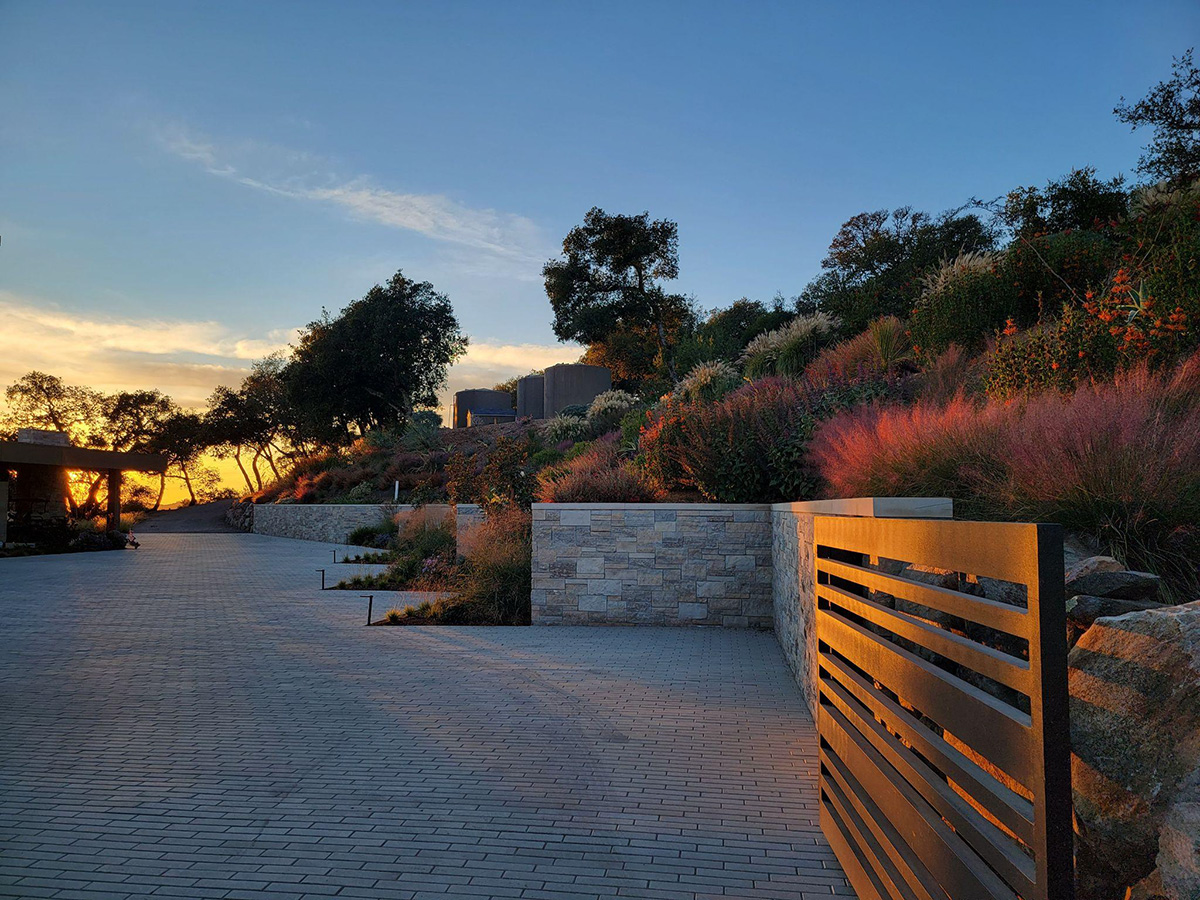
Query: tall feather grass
pixel 1119 460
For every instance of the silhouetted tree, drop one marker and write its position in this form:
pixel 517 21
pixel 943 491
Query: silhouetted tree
pixel 1172 109
pixel 876 260
pixel 371 365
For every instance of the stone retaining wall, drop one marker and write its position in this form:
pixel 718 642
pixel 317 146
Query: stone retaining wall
pixel 653 564
pixel 333 522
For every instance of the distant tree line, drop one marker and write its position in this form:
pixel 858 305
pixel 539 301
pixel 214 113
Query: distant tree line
pixel 367 368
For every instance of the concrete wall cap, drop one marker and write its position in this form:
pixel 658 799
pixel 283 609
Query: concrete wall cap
pixel 874 507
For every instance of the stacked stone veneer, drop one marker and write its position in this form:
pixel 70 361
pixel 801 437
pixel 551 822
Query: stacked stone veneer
pixel 794 598
pixel 333 522
pixel 654 564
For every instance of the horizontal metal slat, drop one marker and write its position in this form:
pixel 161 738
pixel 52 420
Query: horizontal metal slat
pixel 994 664
pixel 859 870
pixel 970 714
pixel 959 871
pixel 1009 807
pixel 989 613
pixel 861 825
pixel 1003 550
pixel 999 850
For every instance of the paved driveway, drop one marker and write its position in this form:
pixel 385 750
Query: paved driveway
pixel 194 720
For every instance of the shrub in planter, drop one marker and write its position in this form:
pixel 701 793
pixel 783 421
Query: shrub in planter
pixel 377 536
pixel 751 446
pixel 498 576
pixel 598 475
pixel 1119 460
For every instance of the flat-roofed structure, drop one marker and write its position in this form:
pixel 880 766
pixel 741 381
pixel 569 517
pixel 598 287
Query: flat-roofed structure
pixel 33 477
pixel 573 384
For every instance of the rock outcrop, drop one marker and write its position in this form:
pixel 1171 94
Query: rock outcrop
pixel 1135 732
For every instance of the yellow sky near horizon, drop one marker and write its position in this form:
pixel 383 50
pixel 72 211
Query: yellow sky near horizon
pixel 187 359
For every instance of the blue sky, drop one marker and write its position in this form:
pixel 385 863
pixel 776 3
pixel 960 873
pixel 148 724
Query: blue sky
pixel 183 184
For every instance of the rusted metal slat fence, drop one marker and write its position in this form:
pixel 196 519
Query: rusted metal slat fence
pixel 945 741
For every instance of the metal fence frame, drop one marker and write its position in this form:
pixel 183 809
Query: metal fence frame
pixel 935 782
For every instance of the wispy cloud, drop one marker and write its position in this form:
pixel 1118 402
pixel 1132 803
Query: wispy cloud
pixel 186 359
pixel 47 325
pixel 299 175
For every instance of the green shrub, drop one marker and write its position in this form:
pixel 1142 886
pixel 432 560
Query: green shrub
pixel 547 456
pixel 708 381
pixel 963 302
pixel 1044 272
pixel 423 431
pixel 363 492
pixel 567 428
pixel 507 476
pixel 376 536
pixel 574 410
pixel 608 409
pixel 788 350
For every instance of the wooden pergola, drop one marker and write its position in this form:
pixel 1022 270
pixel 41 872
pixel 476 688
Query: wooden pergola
pixel 55 460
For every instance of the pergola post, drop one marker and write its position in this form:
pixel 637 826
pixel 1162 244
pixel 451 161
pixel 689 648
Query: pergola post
pixel 114 500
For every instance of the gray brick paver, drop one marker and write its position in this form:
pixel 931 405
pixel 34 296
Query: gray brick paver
pixel 194 719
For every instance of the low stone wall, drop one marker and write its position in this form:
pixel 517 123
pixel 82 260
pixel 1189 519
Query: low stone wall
pixel 653 564
pixel 794 599
pixel 333 522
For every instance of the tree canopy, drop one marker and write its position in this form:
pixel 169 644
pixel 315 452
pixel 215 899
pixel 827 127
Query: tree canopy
pixel 371 365
pixel 1172 109
pixel 875 261
pixel 609 281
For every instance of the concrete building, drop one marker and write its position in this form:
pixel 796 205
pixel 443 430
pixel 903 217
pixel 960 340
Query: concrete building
pixel 33 479
pixel 531 396
pixel 478 399
pixel 573 384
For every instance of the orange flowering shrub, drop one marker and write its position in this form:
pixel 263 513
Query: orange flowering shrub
pixel 1123 327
